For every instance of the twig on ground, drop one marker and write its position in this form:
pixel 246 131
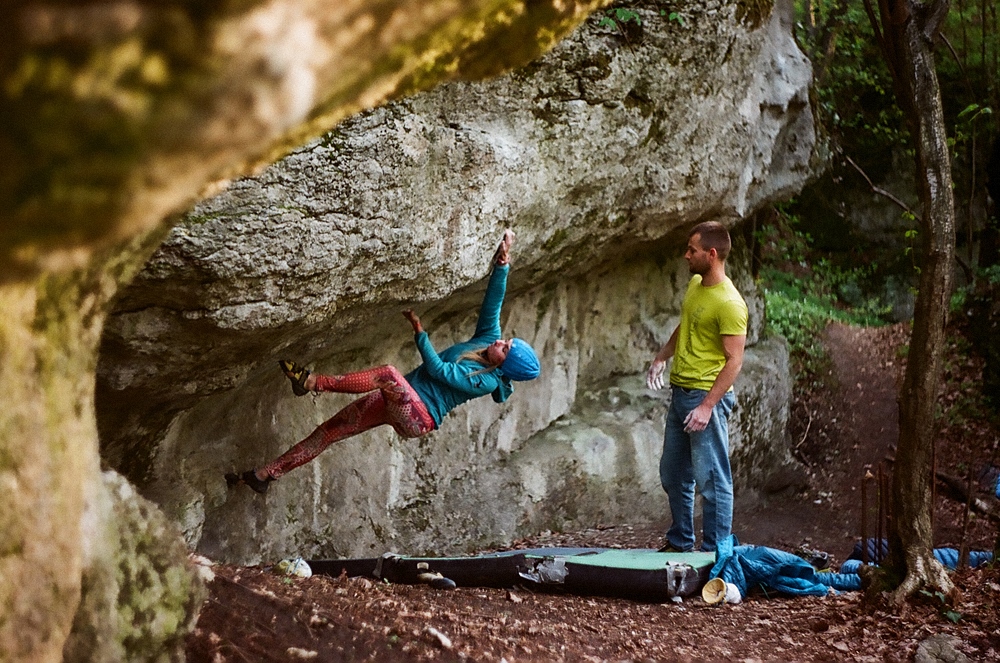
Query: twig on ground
pixel 806 433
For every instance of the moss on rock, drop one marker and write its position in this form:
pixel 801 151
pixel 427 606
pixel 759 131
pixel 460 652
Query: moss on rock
pixel 140 595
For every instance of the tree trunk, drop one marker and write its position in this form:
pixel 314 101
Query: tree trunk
pixel 826 45
pixel 908 28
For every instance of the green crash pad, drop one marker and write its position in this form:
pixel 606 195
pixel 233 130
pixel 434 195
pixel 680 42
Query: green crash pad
pixel 636 573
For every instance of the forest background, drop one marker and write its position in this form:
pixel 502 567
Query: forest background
pixel 853 246
pixel 851 239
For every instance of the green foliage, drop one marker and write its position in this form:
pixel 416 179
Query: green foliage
pixel 946 612
pixel 854 92
pixel 972 112
pixel 958 300
pixel 961 297
pixel 911 236
pixel 804 293
pixel 968 67
pixel 619 16
pixel 797 316
pixel 858 113
pixel 673 17
pixel 991 274
pixel 854 88
pixel 966 128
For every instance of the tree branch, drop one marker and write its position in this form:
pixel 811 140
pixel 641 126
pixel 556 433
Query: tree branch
pixel 958 61
pixel 828 45
pixel 879 190
pixel 877 30
pixel 966 269
pixel 957 491
pixel 932 16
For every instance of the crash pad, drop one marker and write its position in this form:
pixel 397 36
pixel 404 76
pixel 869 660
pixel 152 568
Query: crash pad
pixel 642 574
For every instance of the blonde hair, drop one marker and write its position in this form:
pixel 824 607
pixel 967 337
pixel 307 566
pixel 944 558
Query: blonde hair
pixel 478 356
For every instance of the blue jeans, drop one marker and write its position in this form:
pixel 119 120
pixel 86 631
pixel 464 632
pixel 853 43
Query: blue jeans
pixel 697 459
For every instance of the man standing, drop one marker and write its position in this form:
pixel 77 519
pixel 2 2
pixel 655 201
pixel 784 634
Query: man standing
pixel 707 348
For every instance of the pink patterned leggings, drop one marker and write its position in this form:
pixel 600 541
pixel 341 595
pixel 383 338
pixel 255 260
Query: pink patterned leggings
pixel 392 401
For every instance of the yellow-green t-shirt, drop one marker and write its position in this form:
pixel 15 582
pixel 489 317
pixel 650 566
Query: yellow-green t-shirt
pixel 707 314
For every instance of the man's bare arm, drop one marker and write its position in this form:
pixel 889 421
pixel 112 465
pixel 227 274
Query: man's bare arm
pixel 654 377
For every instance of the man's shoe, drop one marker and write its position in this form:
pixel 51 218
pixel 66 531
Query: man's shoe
pixel 297 374
pixel 249 478
pixel 671 548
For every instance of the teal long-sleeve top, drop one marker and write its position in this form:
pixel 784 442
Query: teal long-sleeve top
pixel 442 382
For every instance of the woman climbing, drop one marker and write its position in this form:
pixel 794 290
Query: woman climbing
pixel 416 403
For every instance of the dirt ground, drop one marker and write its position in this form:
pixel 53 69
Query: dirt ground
pixel 839 432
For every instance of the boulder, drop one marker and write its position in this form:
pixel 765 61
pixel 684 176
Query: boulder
pixel 599 154
pixel 140 594
pixel 117 116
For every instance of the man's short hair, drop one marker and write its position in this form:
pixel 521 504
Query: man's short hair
pixel 713 236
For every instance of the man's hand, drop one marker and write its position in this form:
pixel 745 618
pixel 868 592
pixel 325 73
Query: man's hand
pixel 654 377
pixel 502 256
pixel 414 320
pixel 697 419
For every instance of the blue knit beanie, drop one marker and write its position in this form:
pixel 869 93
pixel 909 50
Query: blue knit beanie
pixel 521 363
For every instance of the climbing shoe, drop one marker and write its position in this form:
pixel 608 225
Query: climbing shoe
pixel 249 478
pixel 819 559
pixel 297 374
pixel 671 548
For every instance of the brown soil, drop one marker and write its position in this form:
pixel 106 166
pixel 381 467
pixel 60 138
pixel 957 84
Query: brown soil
pixel 840 430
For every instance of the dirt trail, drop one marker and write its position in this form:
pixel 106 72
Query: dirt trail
pixel 837 433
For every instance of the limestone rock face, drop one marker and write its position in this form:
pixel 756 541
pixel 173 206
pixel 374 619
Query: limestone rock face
pixel 120 113
pixel 599 154
pixel 115 116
